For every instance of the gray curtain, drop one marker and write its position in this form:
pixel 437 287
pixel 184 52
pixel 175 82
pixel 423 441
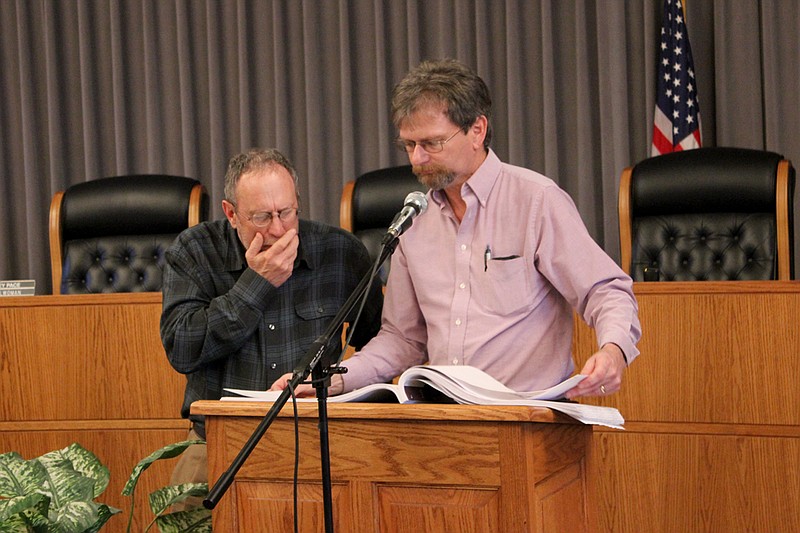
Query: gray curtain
pixel 101 88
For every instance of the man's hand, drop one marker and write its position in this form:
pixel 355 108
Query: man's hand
pixel 274 264
pixel 336 386
pixel 604 373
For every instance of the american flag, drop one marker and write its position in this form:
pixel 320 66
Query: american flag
pixel 676 123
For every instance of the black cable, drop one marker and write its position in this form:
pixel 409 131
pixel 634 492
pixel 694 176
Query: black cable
pixel 296 454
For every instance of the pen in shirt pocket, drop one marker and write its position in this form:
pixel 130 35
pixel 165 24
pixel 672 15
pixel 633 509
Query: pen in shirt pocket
pixel 487 256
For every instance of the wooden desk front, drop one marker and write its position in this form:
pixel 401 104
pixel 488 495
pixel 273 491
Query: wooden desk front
pixel 404 468
pixel 90 369
pixel 712 410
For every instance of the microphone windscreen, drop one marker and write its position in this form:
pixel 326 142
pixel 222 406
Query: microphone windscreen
pixel 417 200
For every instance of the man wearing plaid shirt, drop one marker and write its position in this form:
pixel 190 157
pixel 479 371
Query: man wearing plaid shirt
pixel 245 297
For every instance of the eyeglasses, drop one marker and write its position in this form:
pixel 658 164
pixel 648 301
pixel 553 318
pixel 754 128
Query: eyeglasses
pixel 431 147
pixel 263 219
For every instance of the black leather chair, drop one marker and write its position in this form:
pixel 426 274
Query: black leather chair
pixel 109 235
pixel 370 202
pixel 708 214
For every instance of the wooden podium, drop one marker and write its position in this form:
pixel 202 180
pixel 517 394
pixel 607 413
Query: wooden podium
pixel 404 468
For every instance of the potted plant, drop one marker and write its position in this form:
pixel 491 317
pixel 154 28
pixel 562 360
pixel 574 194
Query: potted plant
pixel 56 493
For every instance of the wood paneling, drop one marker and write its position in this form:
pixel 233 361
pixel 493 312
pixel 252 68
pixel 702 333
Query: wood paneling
pixel 91 369
pixel 404 468
pixel 712 410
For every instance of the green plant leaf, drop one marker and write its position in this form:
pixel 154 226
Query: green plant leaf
pixel 14 524
pixel 21 512
pixel 76 517
pixel 167 452
pixel 161 499
pixel 82 461
pixel 17 504
pixel 55 492
pixel 33 515
pixel 191 521
pixel 65 485
pixel 104 512
pixel 19 477
pixel 21 481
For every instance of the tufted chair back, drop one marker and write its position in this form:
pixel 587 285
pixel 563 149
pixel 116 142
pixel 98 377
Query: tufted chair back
pixel 370 202
pixel 110 234
pixel 708 214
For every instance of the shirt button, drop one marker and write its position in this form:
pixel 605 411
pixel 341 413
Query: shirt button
pixel 455 361
pixel 463 285
pixel 320 309
pixel 463 247
pixel 458 321
pixel 273 366
pixel 271 326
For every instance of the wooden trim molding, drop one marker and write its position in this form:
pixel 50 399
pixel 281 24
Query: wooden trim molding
pixel 782 206
pixel 196 204
pixel 624 207
pixel 55 241
pixel 346 206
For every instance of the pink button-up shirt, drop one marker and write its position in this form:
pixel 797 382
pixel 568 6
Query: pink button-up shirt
pixel 497 290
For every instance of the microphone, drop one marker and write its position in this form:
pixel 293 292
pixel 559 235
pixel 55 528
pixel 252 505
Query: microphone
pixel 415 204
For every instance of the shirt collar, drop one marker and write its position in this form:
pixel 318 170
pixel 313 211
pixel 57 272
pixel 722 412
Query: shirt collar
pixel 480 183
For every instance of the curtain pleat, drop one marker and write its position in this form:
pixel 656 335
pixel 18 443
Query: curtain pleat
pixel 95 88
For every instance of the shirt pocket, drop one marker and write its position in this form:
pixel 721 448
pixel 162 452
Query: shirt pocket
pixel 504 288
pixel 315 319
pixel 323 309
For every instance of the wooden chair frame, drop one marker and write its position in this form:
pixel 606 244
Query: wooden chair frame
pixel 346 206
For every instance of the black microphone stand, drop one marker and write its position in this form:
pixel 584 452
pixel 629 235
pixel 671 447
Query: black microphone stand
pixel 321 379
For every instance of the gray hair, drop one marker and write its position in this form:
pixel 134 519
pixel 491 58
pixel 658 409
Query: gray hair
pixel 255 159
pixel 447 82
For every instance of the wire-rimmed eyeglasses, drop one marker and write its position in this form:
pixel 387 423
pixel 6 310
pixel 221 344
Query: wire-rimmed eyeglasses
pixel 263 219
pixel 431 147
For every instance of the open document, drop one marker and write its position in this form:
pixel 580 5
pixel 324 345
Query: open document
pixel 460 384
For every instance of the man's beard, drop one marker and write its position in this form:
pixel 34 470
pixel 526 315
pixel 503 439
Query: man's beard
pixel 434 177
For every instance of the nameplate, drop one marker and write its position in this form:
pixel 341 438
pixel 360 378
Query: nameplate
pixel 18 287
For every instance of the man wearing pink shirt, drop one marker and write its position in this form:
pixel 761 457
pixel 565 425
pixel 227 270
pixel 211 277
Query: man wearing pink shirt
pixel 490 274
